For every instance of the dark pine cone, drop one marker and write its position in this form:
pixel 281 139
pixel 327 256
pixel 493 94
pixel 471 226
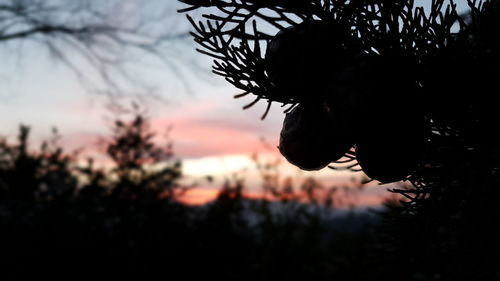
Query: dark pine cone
pixel 310 140
pixel 301 60
pixel 378 96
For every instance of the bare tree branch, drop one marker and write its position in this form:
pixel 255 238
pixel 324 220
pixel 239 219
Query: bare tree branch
pixel 109 38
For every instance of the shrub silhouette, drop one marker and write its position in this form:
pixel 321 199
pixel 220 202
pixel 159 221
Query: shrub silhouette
pixel 134 154
pixel 43 175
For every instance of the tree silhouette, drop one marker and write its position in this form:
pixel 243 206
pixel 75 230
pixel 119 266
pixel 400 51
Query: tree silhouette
pixel 27 175
pixel 140 165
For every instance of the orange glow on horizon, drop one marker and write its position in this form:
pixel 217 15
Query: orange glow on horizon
pixel 201 196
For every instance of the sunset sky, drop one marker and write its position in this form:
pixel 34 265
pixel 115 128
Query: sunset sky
pixel 210 131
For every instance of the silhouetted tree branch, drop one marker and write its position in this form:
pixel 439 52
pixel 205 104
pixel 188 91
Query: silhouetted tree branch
pixel 412 90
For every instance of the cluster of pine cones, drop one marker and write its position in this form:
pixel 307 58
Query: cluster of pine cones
pixel 346 97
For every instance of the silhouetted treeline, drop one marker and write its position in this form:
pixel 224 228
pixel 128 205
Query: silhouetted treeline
pixel 64 220
pixel 60 219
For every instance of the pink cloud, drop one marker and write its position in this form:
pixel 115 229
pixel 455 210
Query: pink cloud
pixel 200 128
pixel 199 137
pixel 194 141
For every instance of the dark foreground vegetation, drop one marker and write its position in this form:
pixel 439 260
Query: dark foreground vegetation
pixel 61 220
pixel 64 220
